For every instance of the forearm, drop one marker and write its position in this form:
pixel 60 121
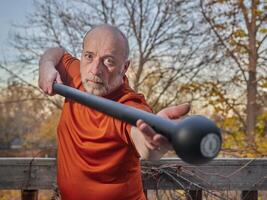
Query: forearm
pixel 48 73
pixel 51 57
pixel 144 150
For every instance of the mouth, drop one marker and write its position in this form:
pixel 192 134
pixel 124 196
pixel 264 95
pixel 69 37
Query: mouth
pixel 94 82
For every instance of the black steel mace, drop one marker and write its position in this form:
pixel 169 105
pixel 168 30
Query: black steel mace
pixel 195 139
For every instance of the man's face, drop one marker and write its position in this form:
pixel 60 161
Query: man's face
pixel 103 63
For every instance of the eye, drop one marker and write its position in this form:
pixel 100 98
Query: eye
pixel 89 57
pixel 109 62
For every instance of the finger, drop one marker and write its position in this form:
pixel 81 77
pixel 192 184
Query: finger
pixel 145 129
pixel 44 90
pixel 58 79
pixel 41 85
pixel 151 145
pixel 159 139
pixel 153 140
pixel 175 112
pixel 163 142
pixel 50 87
pixel 50 90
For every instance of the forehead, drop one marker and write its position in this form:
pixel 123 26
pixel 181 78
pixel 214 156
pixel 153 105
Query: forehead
pixel 104 41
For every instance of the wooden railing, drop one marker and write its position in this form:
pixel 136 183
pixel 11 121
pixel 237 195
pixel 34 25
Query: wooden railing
pixel 246 175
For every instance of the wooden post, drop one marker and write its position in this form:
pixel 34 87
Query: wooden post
pixel 194 195
pixel 145 192
pixel 249 195
pixel 29 194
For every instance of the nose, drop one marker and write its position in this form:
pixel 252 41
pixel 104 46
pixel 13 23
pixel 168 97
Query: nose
pixel 95 67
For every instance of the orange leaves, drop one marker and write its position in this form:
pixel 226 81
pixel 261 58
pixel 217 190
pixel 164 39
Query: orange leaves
pixel 219 26
pixel 263 30
pixel 239 33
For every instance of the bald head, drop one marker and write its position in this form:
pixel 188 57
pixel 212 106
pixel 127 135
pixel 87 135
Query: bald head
pixel 104 59
pixel 106 31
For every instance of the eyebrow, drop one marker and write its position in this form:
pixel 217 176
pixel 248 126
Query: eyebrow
pixel 109 55
pixel 89 52
pixel 106 55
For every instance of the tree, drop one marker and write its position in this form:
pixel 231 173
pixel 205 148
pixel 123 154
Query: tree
pixel 22 110
pixel 163 39
pixel 240 28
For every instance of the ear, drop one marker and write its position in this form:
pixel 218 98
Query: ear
pixel 126 66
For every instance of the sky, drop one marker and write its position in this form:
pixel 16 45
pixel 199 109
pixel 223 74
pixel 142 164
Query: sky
pixel 11 11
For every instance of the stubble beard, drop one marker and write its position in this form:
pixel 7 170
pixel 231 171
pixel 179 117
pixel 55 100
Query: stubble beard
pixel 97 86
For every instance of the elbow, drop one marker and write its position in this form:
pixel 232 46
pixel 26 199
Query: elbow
pixel 53 54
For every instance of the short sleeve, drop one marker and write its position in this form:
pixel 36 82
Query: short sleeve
pixel 141 105
pixel 124 129
pixel 69 70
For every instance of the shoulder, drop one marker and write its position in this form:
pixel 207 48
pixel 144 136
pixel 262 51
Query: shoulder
pixel 69 69
pixel 136 100
pixel 68 61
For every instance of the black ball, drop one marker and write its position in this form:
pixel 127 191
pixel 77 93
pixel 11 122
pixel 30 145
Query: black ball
pixel 197 139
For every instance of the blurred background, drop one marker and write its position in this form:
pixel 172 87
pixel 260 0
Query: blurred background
pixel 211 53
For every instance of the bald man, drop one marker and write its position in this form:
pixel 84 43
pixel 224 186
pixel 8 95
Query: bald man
pixel 99 156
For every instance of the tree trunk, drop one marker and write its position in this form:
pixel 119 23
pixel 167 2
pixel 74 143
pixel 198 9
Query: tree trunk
pixel 138 73
pixel 252 79
pixel 251 103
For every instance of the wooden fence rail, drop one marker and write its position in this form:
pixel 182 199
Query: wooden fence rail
pixel 247 175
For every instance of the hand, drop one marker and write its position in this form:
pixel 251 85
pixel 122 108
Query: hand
pixel 48 75
pixel 155 141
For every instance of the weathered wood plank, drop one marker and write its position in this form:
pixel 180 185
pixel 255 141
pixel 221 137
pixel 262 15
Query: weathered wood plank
pixel 27 173
pixel 219 174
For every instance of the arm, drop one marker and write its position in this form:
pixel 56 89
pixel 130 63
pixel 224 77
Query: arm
pixel 149 144
pixel 145 146
pixel 47 69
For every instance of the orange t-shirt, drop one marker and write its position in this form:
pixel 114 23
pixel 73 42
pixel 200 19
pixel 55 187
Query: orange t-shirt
pixel 96 157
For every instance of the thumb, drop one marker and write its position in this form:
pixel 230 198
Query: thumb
pixel 175 112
